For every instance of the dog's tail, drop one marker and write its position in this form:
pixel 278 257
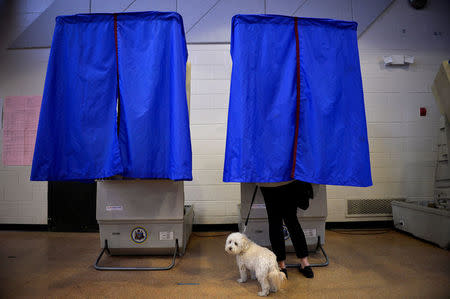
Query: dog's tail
pixel 277 278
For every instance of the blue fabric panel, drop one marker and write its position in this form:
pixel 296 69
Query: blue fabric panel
pixel 261 115
pixel 154 122
pixel 77 134
pixel 332 146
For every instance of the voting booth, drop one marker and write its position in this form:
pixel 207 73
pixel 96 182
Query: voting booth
pixel 117 113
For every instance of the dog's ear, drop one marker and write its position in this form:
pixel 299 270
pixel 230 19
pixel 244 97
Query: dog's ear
pixel 245 243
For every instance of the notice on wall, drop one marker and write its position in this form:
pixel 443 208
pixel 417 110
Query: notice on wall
pixel 20 120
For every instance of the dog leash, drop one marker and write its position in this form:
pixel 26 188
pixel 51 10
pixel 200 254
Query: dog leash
pixel 249 210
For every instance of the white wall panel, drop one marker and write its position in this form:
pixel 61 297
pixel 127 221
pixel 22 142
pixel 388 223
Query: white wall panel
pixel 204 20
pixel 153 5
pixel 338 9
pixel 382 145
pixel 193 10
pixel 108 6
pixel 210 86
pixel 206 177
pixel 31 6
pixel 204 116
pixel 208 131
pixel 208 161
pixel 40 32
pixel 402 27
pixel 211 147
pixel 284 7
pixel 223 193
pixel 366 11
pixel 216 25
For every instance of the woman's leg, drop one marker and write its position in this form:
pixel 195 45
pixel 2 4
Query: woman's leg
pixel 273 208
pixel 295 230
pixel 296 234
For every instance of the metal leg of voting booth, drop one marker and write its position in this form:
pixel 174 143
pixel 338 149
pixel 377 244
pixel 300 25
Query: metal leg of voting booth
pixel 103 268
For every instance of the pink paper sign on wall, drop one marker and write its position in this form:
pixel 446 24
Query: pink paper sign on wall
pixel 20 120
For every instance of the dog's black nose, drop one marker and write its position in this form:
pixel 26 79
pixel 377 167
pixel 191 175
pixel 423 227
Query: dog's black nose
pixel 229 248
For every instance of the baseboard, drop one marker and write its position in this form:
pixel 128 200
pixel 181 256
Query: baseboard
pixel 68 228
pixel 220 227
pixel 45 227
pixel 359 224
pixel 24 227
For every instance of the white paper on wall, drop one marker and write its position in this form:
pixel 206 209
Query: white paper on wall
pixel 20 120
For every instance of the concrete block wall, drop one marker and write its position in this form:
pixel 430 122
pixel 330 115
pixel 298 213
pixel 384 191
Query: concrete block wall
pixel 214 201
pixel 21 201
pixel 403 145
pixel 22 73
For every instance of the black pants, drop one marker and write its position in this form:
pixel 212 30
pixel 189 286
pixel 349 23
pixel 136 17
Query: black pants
pixel 280 207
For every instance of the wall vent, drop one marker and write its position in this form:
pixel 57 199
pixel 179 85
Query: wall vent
pixel 370 207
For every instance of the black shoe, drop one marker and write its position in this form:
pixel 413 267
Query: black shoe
pixel 284 270
pixel 307 271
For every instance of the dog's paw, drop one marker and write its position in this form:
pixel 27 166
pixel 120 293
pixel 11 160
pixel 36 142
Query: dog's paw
pixel 263 294
pixel 240 280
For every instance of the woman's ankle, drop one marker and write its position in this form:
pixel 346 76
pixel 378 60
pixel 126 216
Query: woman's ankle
pixel 304 262
pixel 282 264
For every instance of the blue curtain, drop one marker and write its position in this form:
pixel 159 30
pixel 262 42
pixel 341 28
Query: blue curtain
pixel 139 58
pixel 276 133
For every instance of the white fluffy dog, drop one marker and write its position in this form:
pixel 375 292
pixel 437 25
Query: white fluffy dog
pixel 261 262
